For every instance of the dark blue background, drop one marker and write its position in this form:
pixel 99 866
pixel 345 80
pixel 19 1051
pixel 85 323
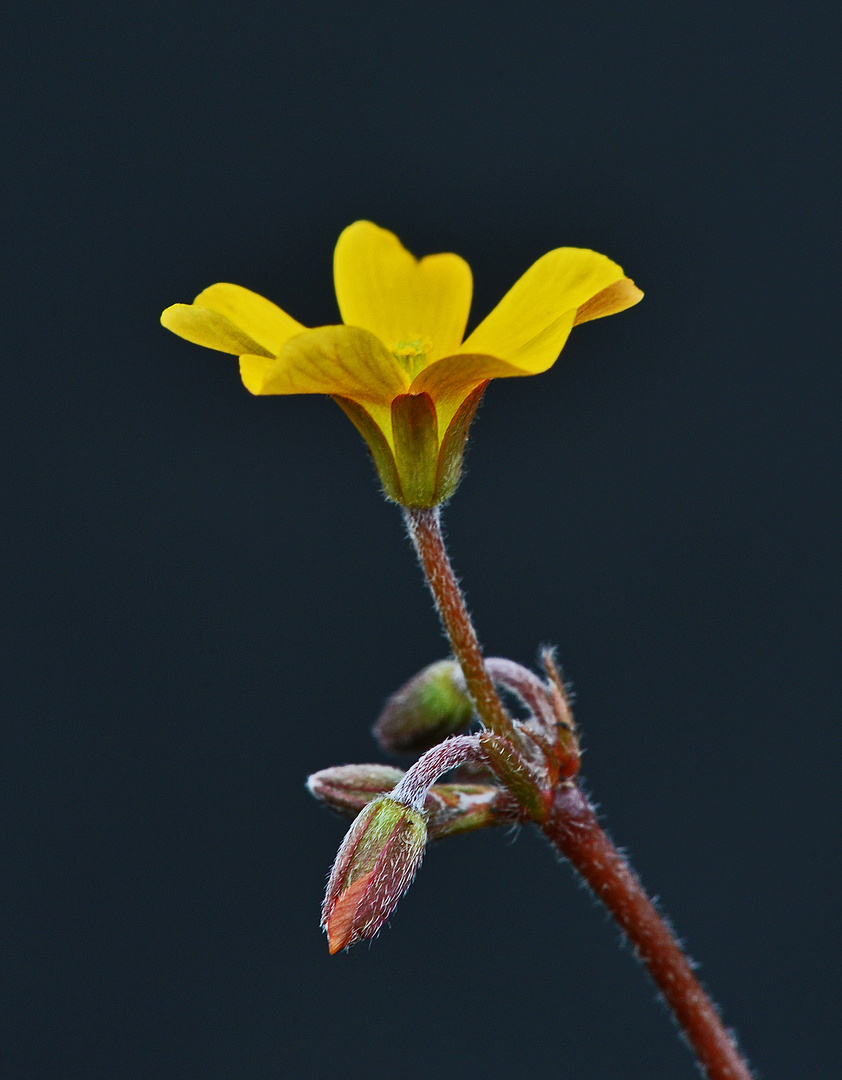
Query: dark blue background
pixel 206 598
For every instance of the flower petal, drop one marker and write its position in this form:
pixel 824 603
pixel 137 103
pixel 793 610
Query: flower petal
pixel 232 319
pixel 258 317
pixel 340 360
pixel 205 327
pixel 617 297
pixel 530 324
pixel 383 288
pixel 450 380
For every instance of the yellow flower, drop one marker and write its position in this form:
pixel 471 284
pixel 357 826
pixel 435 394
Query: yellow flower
pixel 398 366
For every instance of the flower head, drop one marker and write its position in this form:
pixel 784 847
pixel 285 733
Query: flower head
pixel 398 365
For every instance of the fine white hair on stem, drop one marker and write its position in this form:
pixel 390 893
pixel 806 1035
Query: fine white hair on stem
pixel 417 781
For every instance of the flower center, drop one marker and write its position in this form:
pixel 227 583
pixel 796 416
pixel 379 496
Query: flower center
pixel 412 353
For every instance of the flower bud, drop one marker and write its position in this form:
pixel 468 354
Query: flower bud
pixel 374 867
pixel 428 708
pixel 348 788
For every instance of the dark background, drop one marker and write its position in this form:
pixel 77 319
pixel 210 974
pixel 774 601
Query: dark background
pixel 207 599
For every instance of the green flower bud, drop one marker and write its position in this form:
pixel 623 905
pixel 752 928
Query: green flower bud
pixel 428 708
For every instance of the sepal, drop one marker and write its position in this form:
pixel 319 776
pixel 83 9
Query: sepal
pixel 449 470
pixel 418 464
pixel 381 451
pixel 458 808
pixel 416 435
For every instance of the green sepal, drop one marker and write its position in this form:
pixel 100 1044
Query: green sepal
pixel 419 473
pixel 449 468
pixel 415 431
pixel 381 452
pixel 511 771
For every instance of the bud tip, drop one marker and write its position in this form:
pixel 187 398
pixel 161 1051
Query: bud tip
pixel 340 923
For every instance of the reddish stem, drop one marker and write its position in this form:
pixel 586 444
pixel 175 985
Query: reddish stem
pixel 417 781
pixel 573 829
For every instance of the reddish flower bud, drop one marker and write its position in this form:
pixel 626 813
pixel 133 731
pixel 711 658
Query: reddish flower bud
pixel 374 867
pixel 348 788
pixel 428 708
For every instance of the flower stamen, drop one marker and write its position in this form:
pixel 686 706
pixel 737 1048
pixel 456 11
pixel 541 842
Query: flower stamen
pixel 412 353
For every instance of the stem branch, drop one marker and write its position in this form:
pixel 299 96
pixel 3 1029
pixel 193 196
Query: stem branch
pixel 573 829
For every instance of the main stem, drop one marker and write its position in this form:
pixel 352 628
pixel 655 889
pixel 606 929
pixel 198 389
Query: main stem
pixel 573 829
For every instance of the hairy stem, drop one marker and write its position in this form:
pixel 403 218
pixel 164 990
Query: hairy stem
pixel 573 829
pixel 425 532
pixel 413 786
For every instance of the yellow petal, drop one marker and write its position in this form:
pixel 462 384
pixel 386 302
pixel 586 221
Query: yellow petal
pixel 617 297
pixel 344 361
pixel 205 327
pixel 450 380
pixel 530 324
pixel 258 317
pixel 383 288
pixel 232 319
